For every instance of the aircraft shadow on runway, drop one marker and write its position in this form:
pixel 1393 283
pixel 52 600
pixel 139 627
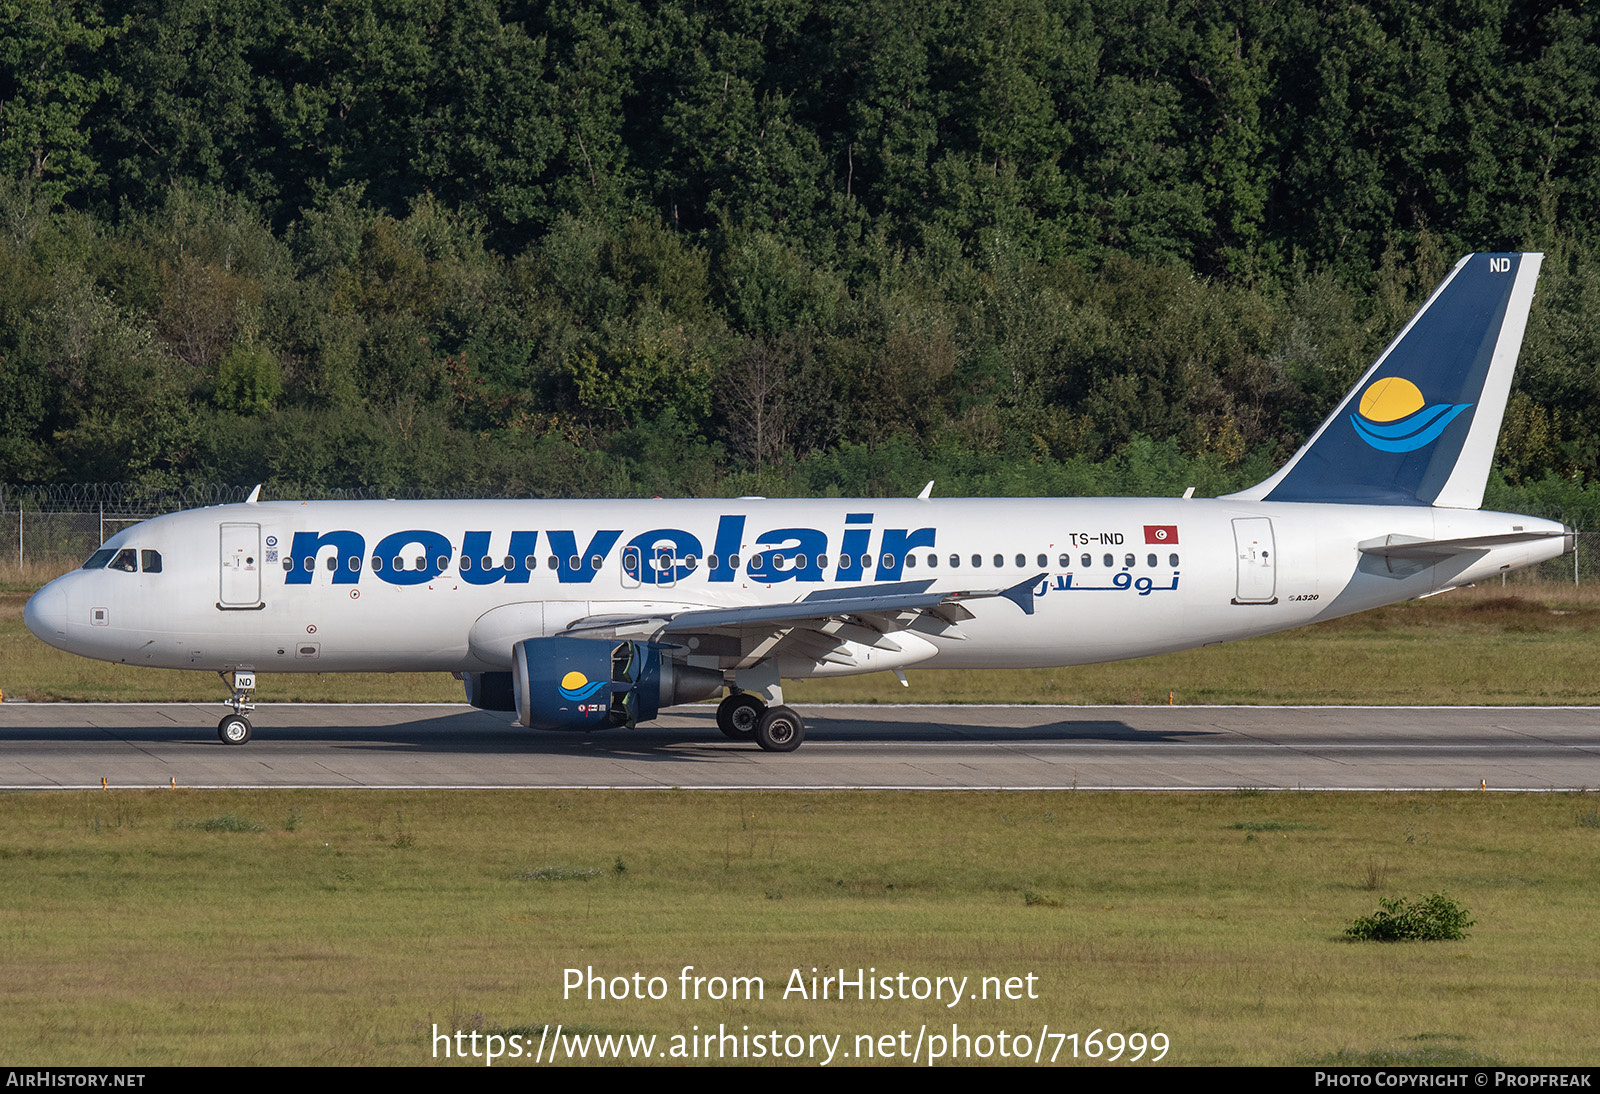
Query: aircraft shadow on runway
pixel 475 732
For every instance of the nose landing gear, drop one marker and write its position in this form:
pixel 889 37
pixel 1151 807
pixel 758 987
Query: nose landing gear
pixel 235 729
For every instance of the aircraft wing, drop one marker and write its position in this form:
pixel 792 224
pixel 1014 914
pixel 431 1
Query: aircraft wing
pixel 817 626
pixel 901 596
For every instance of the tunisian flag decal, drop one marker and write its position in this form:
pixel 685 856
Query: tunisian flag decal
pixel 1161 533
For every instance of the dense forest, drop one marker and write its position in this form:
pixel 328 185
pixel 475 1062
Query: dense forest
pixel 608 247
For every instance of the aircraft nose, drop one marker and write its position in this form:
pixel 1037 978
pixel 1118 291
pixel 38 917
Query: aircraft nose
pixel 45 614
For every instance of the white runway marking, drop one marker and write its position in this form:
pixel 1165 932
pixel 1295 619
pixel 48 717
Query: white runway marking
pixel 868 747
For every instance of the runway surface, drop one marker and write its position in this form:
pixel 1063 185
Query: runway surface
pixel 65 745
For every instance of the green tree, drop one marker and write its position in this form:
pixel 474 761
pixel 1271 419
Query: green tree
pixel 50 77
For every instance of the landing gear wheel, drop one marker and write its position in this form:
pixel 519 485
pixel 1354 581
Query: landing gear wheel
pixel 739 714
pixel 235 729
pixel 780 730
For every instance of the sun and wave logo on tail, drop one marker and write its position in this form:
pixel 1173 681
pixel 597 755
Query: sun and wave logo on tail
pixel 1394 417
pixel 578 687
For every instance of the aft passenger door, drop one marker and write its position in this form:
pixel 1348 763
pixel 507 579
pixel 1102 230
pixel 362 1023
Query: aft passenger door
pixel 241 566
pixel 1257 561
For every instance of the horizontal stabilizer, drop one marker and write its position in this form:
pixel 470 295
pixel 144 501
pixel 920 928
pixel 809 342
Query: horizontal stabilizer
pixel 1429 550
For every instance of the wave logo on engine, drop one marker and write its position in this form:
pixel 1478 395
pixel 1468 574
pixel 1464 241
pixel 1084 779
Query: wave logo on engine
pixel 578 687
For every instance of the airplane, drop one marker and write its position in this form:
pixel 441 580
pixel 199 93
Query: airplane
pixel 582 615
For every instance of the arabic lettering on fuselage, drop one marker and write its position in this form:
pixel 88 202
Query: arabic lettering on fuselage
pixel 660 556
pixel 1120 582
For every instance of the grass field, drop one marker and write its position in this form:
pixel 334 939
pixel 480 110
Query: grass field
pixel 282 927
pixel 1521 644
pixel 277 927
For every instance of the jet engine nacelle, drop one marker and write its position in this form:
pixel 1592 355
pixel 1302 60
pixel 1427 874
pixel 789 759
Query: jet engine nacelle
pixel 594 683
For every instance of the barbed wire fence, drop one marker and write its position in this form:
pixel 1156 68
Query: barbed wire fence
pixel 59 525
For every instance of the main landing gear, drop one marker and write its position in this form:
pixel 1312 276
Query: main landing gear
pixel 235 729
pixel 745 717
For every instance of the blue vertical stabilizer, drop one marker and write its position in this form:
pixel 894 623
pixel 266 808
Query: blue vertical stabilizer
pixel 1420 428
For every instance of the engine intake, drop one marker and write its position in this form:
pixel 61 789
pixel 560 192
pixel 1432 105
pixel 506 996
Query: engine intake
pixel 591 683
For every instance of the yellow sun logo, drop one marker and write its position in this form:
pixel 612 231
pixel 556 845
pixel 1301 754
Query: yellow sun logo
pixel 1394 417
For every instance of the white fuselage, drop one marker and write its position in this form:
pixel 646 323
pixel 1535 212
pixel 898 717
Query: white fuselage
pixel 1124 577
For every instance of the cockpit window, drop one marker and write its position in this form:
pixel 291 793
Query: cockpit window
pixel 150 561
pixel 126 559
pixel 98 560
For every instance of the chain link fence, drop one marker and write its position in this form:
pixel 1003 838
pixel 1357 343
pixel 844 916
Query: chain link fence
pixel 1582 567
pixel 58 526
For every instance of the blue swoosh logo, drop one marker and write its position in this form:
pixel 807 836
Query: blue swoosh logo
pixel 1411 433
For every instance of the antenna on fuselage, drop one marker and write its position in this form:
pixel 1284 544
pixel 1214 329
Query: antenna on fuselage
pixel 255 495
pixel 927 492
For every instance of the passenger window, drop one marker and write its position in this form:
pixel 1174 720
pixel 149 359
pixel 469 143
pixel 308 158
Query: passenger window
pixel 1151 561
pixel 1172 560
pixel 1044 562
pixel 711 562
pixel 911 561
pixel 1022 562
pixel 551 563
pixel 308 563
pixel 799 562
pixel 377 564
pixel 1088 561
pixel 690 562
pixel 422 562
pixel 955 561
pixel 755 562
pixel 288 564
pixel 933 560
pixel 441 563
pixel 98 560
pixel 126 560
pixel 397 563
pixel 150 561
pixel 574 563
pixel 999 562
pixel 822 562
pixel 977 562
pixel 355 563
pixel 844 562
pixel 333 562
pixel 885 561
pixel 1110 559
pixel 510 563
pixel 530 563
pixel 733 562
pixel 1065 561
pixel 1128 561
pixel 466 564
pixel 779 562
